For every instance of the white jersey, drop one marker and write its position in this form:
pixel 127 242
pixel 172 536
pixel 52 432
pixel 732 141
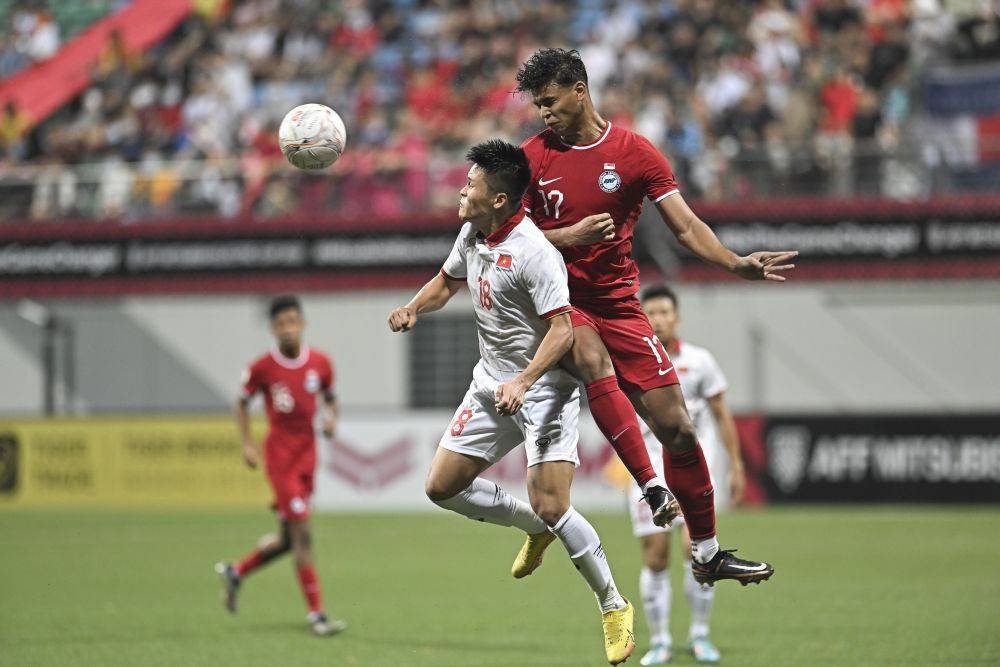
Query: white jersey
pixel 518 280
pixel 701 379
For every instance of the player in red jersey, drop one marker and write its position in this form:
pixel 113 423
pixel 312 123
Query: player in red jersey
pixel 589 179
pixel 290 376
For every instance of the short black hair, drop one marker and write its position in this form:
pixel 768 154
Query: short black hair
pixel 280 304
pixel 551 65
pixel 505 165
pixel 659 292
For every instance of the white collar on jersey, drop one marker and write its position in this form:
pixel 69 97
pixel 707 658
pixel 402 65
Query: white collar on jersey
pixel 486 253
pixel 285 362
pixel 604 136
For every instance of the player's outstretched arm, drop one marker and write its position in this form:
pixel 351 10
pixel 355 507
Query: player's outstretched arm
pixel 731 440
pixel 699 238
pixel 432 296
pixel 251 450
pixel 557 342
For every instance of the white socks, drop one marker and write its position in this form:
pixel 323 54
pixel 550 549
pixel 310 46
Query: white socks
pixel 700 597
pixel 656 481
pixel 584 548
pixel 484 500
pixel 655 589
pixel 704 550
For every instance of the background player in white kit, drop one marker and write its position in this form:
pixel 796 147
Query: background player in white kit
pixel 704 387
pixel 521 302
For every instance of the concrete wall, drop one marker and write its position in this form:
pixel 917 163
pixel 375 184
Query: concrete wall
pixel 809 347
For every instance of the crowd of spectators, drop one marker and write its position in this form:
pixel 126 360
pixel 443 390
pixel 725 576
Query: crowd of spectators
pixel 763 98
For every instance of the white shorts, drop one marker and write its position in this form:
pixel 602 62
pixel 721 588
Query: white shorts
pixel 638 509
pixel 547 424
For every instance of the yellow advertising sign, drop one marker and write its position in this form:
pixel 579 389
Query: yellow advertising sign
pixel 171 461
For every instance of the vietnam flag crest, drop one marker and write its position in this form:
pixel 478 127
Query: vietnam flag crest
pixel 504 261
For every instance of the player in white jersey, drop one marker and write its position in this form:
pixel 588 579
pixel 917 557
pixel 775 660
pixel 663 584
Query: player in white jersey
pixel 521 303
pixel 704 387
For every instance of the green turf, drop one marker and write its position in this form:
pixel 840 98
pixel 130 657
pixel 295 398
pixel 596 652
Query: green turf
pixel 854 586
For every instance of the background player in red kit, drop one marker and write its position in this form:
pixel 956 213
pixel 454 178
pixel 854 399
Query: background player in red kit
pixel 589 179
pixel 290 376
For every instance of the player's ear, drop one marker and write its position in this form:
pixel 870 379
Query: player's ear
pixel 580 88
pixel 500 200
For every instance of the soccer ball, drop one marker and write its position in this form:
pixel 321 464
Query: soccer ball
pixel 312 136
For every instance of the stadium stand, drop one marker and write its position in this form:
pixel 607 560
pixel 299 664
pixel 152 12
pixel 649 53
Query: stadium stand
pixel 749 99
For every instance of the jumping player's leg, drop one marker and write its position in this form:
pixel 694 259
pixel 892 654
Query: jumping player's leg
pixel 549 492
pixel 647 375
pixel 453 483
pixel 589 362
pixel 684 463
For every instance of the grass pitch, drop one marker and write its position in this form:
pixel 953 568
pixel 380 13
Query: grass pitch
pixel 853 586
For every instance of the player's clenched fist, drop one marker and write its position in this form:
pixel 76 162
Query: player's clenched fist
pixel 510 397
pixel 402 319
pixel 594 229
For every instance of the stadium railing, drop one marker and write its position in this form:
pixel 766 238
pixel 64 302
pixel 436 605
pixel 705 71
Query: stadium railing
pixel 367 183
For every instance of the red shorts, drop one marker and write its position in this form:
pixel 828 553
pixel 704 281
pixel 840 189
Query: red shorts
pixel 641 363
pixel 291 472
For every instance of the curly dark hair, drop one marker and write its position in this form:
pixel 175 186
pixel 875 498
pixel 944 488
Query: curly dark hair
pixel 505 165
pixel 551 65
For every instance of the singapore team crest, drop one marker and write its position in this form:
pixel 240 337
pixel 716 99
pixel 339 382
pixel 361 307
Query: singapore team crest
pixel 609 180
pixel 312 381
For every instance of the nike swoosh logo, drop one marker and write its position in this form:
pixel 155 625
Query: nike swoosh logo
pixel 664 372
pixel 551 180
pixel 614 438
pixel 756 568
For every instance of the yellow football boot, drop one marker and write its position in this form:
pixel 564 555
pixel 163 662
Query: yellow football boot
pixel 619 640
pixel 530 556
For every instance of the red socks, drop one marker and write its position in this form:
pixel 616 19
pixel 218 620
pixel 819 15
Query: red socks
pixel 250 562
pixel 688 479
pixel 616 418
pixel 310 588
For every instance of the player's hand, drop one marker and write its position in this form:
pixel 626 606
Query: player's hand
pixel 594 229
pixel 737 484
pixel 765 265
pixel 402 319
pixel 328 426
pixel 251 454
pixel 510 397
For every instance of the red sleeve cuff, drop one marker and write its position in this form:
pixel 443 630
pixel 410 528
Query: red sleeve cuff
pixel 558 311
pixel 449 276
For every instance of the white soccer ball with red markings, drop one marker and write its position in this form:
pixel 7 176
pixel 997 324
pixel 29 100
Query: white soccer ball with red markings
pixel 312 136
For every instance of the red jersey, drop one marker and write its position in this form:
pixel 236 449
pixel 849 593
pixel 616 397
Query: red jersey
pixel 290 388
pixel 611 175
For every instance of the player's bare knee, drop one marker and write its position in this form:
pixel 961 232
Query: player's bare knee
pixel 657 562
pixel 437 490
pixel 550 508
pixel 595 366
pixel 272 542
pixel 686 438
